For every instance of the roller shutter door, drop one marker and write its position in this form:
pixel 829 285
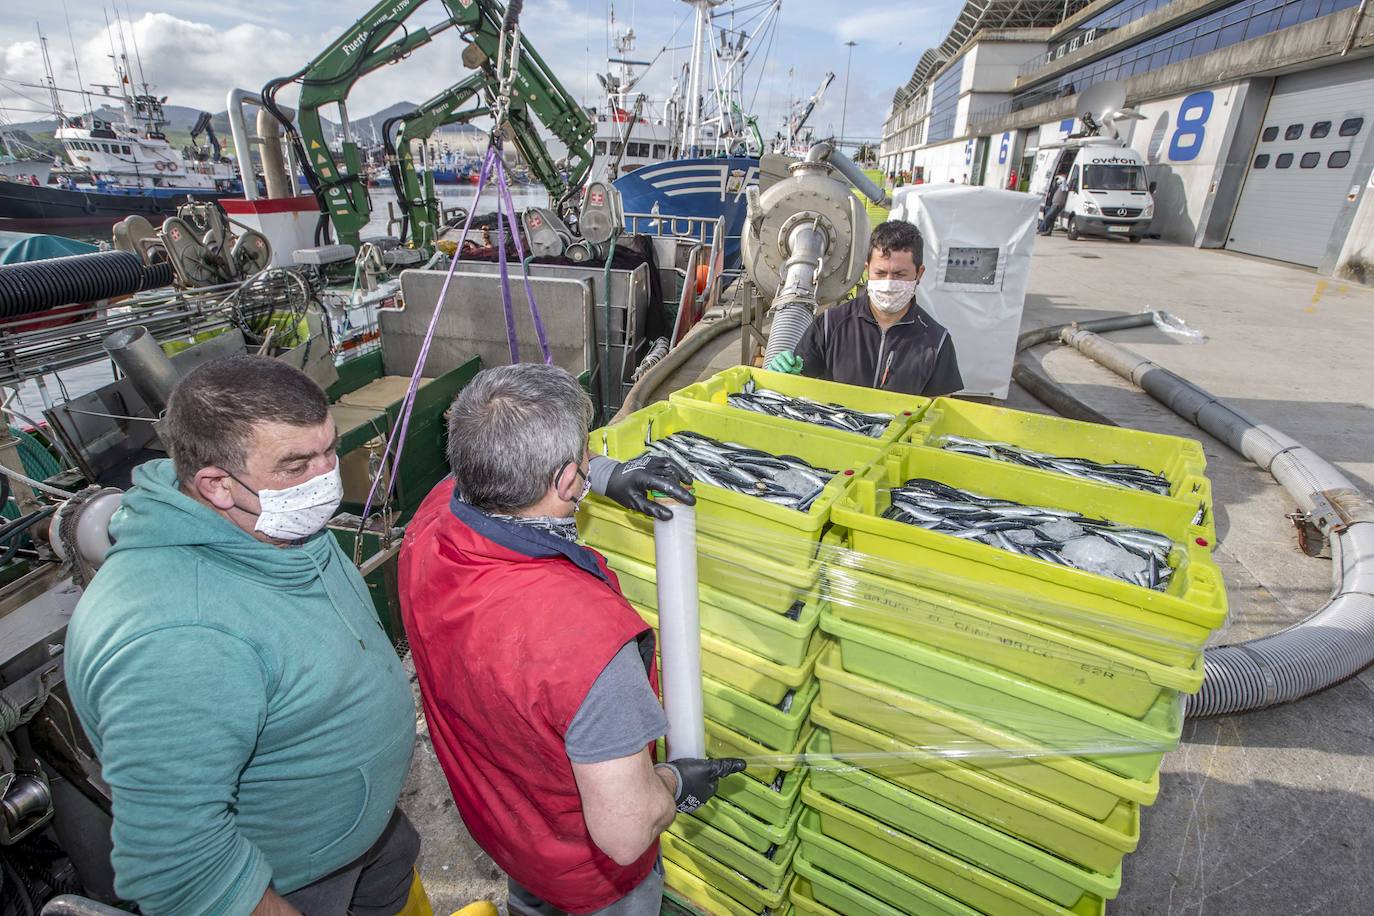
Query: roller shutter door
pixel 1305 162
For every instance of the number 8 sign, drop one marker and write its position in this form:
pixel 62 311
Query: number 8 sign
pixel 1193 113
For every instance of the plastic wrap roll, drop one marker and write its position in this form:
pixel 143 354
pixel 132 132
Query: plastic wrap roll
pixel 37 286
pixel 675 554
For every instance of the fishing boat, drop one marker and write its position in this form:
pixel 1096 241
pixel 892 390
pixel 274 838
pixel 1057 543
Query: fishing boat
pixel 119 167
pixel 712 146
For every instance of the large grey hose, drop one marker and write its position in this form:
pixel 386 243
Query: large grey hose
pixel 1334 643
pixel 824 152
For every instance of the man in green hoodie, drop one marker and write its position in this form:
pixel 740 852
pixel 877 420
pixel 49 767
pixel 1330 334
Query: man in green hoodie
pixel 252 720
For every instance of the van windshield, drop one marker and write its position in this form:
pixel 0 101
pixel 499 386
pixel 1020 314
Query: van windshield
pixel 1114 178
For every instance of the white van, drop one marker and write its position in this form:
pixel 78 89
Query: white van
pixel 1108 191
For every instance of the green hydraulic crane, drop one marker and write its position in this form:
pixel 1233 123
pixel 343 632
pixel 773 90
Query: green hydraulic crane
pixel 531 93
pixel 415 193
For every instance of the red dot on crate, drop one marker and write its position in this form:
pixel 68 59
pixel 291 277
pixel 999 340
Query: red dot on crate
pixel 906 413
pixel 1201 542
pixel 849 472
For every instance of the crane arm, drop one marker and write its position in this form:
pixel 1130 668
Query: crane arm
pixel 381 37
pixel 800 118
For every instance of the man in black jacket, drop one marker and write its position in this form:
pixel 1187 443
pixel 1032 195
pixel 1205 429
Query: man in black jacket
pixel 881 338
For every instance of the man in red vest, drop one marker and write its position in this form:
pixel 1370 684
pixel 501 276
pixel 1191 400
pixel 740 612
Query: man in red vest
pixel 537 677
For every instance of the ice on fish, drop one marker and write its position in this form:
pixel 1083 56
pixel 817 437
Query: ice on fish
pixel 1095 554
pixel 1061 529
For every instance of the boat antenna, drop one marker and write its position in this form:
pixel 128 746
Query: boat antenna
pixel 137 55
pixel 76 59
pixel 47 74
pixel 114 57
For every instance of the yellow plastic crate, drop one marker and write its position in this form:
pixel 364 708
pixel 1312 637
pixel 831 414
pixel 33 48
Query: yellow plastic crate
pixel 1180 461
pixel 722 741
pixel 747 521
pixel 986 847
pixel 776 637
pixel 935 868
pixel 829 894
pixel 766 724
pixel 1121 744
pixel 749 896
pixel 1169 627
pixel 690 893
pixel 1072 782
pixel 804 901
pixel 746 671
pixel 1098 845
pixel 773 803
pixel 715 391
pixel 1078 665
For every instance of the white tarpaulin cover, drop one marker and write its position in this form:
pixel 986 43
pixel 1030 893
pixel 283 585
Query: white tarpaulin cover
pixel 978 244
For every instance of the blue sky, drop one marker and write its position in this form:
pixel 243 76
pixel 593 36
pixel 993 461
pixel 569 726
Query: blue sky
pixel 194 51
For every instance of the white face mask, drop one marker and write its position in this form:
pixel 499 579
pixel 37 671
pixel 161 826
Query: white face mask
pixel 300 511
pixel 889 296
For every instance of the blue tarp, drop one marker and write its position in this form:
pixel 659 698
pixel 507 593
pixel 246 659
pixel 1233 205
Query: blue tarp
pixel 18 247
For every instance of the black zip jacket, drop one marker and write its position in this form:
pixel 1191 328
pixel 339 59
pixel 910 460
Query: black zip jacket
pixel 914 356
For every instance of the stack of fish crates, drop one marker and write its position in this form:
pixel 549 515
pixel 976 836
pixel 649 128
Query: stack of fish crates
pixel 991 724
pixel 761 598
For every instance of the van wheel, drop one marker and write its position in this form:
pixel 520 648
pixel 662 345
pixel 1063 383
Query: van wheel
pixel 1134 238
pixel 1073 229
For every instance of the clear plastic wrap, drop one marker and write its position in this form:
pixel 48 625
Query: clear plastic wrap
pixel 930 667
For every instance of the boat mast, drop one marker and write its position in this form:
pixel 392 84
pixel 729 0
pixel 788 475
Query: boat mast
pixel 691 128
pixel 48 78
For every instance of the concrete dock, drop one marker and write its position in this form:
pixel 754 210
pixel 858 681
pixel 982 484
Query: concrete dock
pixel 1265 813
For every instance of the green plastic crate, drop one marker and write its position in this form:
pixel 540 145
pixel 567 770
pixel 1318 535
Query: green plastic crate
pixel 722 741
pixel 1170 626
pixel 1042 714
pixel 1078 665
pixel 771 805
pixel 1180 461
pixel 769 583
pixel 688 892
pixel 821 854
pixel 776 531
pixel 1074 783
pixel 714 391
pixel 734 821
pixel 833 895
pixel 766 724
pixel 775 636
pixel 1095 845
pixel 1002 854
pixel 744 892
pixel 909 857
pixel 804 901
pixel 746 671
pixel 771 872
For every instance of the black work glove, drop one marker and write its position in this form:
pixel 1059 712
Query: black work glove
pixel 630 483
pixel 696 778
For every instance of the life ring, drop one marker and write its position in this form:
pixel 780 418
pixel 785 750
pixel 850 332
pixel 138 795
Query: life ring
pixel 161 165
pixel 171 166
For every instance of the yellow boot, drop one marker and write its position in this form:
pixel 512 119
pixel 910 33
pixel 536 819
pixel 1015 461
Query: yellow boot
pixel 480 908
pixel 417 901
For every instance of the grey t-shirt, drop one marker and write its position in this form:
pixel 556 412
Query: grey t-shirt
pixel 620 714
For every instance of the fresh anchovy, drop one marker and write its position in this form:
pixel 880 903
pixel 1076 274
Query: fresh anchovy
pixel 783 480
pixel 805 410
pixel 1118 475
pixel 1136 555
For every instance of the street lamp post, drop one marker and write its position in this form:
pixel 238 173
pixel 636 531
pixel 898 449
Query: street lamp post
pixel 844 109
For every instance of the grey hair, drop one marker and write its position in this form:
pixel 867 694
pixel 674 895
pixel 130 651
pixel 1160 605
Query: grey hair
pixel 212 411
pixel 511 430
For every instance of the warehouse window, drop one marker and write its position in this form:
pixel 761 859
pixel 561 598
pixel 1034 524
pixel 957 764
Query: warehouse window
pixel 1351 126
pixel 1310 160
pixel 1338 159
pixel 1270 134
pixel 1294 132
pixel 1284 161
pixel 1320 129
pixel 1262 161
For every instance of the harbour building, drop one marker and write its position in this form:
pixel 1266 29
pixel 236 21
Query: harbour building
pixel 1257 114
